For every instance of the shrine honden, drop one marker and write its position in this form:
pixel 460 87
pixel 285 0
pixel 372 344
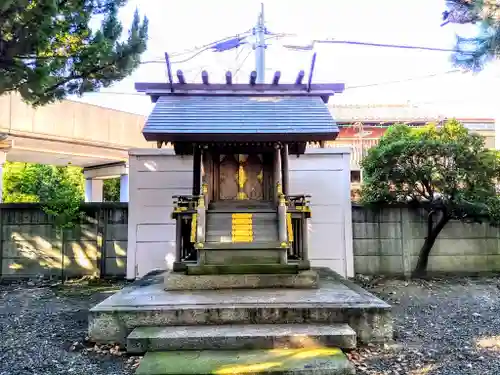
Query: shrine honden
pixel 241 217
pixel 240 295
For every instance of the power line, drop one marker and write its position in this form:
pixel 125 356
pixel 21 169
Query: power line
pixel 242 63
pixel 206 48
pixel 348 42
pixel 404 80
pixel 195 49
pixel 370 44
pixel 385 45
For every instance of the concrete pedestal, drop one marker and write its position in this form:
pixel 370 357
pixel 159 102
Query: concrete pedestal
pixel 302 280
pixel 146 303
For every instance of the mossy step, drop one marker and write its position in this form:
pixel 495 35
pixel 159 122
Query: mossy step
pixel 317 361
pixel 239 269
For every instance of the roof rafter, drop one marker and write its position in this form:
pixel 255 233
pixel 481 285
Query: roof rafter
pixel 228 88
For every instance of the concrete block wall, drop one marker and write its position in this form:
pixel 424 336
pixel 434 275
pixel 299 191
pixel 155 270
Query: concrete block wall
pixel 387 241
pixel 31 245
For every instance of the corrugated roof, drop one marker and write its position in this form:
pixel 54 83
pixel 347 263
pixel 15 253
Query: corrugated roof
pixel 190 117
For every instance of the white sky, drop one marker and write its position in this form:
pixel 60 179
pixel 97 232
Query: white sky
pixel 178 25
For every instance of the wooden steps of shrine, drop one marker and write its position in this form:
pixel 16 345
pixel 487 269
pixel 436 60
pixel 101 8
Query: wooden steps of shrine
pixel 242 246
pixel 241 227
pixel 242 206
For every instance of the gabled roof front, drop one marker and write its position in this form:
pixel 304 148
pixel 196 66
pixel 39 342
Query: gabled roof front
pixel 227 112
pixel 239 118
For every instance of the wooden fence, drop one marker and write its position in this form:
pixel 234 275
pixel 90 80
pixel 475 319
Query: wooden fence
pixel 31 245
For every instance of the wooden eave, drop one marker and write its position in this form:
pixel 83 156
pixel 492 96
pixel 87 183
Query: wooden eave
pixel 239 137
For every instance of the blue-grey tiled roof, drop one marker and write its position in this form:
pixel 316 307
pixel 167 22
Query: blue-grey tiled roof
pixel 195 115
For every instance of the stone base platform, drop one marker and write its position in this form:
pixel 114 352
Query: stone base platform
pixel 145 303
pixel 179 281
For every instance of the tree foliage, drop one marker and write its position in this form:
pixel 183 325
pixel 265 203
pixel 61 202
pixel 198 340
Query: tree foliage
pixel 445 169
pixel 48 49
pixel 111 189
pixel 58 189
pixel 474 53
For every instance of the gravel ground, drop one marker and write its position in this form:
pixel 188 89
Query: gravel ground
pixel 442 327
pixel 43 330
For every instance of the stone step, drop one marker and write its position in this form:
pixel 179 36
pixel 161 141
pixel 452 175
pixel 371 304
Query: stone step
pixel 337 300
pixel 240 337
pixel 308 279
pixel 330 361
pixel 248 256
pixel 240 269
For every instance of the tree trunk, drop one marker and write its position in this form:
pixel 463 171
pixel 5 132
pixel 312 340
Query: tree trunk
pixel 432 233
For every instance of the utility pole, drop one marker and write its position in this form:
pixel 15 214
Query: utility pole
pixel 260 47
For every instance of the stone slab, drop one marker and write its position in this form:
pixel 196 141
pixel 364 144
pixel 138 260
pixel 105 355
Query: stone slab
pixel 260 256
pixel 318 361
pixel 302 280
pixel 241 269
pixel 240 337
pixel 146 303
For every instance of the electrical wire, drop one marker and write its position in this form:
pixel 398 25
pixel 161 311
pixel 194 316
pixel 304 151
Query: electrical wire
pixel 207 48
pixel 348 42
pixel 242 63
pixel 195 50
pixel 385 45
pixel 370 44
pixel 403 80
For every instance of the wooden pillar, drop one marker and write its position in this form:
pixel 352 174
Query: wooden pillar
pixel 178 239
pixel 277 172
pixel 305 239
pixel 285 170
pixel 196 170
pixel 205 176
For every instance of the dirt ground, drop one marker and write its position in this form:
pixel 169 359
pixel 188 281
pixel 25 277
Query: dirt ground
pixel 442 326
pixel 43 330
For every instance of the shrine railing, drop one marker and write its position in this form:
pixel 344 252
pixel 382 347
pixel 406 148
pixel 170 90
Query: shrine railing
pixel 185 215
pixel 298 214
pixel 190 215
